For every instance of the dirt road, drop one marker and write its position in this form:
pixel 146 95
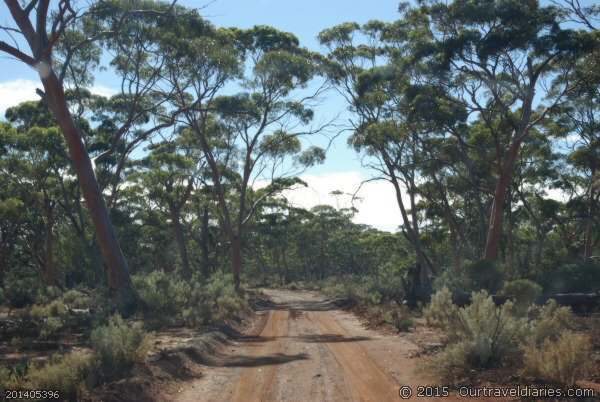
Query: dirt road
pixel 303 349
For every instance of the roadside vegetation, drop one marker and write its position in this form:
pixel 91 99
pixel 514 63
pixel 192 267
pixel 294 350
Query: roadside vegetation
pixel 165 205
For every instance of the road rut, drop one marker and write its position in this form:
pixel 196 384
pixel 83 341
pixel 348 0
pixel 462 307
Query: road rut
pixel 304 349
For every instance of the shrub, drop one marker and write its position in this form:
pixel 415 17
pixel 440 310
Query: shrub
pixel 163 296
pixel 118 346
pixel 51 327
pixel 570 278
pixel 65 374
pixel 76 299
pixel 46 294
pixel 20 291
pixel 367 291
pixel 221 295
pixel 549 321
pixel 11 378
pixel 484 275
pixel 480 335
pixel 453 362
pixel 493 331
pixel 55 308
pixel 2 298
pixel 522 292
pixel 442 313
pixel 456 282
pixel 563 360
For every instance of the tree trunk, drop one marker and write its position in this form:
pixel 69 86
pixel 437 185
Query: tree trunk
pixel 236 260
pixel 204 244
pixel 180 239
pixel 589 225
pixel 49 273
pixel 119 281
pixel 494 233
pixel 423 263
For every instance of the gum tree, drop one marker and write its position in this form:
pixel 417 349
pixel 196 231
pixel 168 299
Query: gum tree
pixel 500 55
pixel 250 139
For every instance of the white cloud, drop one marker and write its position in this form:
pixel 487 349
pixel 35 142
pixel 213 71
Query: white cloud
pixel 20 90
pixel 377 205
pixel 103 90
pixel 16 91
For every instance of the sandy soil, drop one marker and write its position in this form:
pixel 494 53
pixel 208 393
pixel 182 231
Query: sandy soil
pixel 304 349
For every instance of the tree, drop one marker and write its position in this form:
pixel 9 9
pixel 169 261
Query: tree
pixel 373 68
pixel 41 35
pixel 168 174
pixel 248 136
pixel 499 52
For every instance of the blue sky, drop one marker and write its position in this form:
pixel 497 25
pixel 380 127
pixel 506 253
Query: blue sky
pixel 342 169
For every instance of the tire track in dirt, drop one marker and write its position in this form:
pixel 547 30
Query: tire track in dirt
pixel 255 383
pixel 367 382
pixel 304 349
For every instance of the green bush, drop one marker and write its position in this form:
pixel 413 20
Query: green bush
pixel 484 275
pixel 55 308
pixel 65 374
pixel 12 378
pixel 20 291
pixel 573 278
pixel 163 296
pixel 367 291
pixel 563 360
pixel 399 318
pixel 483 335
pixel 51 327
pixel 442 313
pixel 480 335
pixel 220 294
pixel 549 321
pixel 46 294
pixel 77 299
pixel 522 292
pixel 118 346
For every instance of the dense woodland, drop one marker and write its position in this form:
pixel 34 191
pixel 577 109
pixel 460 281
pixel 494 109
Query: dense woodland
pixel 484 116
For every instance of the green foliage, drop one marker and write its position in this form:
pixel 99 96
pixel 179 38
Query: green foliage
pixel 20 291
pixel 573 278
pixel 484 275
pixel 56 308
pixel 442 313
pixel 480 335
pixel 118 346
pixel 399 317
pixel 483 335
pixel 563 360
pixel 169 300
pixel 74 298
pixel 522 292
pixel 162 294
pixel 12 378
pixel 51 327
pixel 549 321
pixel 220 294
pixel 66 374
pixel 47 294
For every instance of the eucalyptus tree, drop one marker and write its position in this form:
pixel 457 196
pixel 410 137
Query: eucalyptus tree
pixel 168 175
pixel 249 138
pixel 500 54
pixel 376 69
pixel 577 123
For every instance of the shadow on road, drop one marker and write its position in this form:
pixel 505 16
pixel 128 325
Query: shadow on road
pixel 311 338
pixel 252 361
pixel 302 305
